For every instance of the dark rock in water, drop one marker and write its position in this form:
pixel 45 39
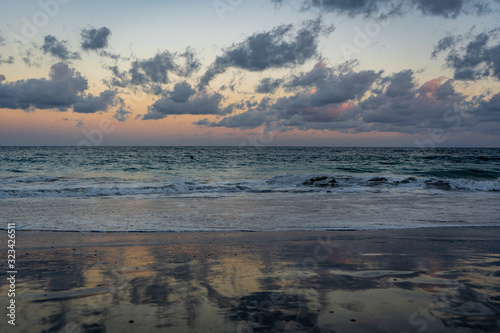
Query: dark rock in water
pixel 408 180
pixel 378 179
pixel 191 157
pixel 318 179
pixel 439 184
pixel 322 181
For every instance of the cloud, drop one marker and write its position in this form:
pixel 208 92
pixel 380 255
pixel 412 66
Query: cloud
pixel 63 90
pixel 191 63
pixel 345 100
pixel 181 93
pixel 281 47
pixel 2 40
pixel 385 8
pixel 155 69
pixel 333 84
pixel 60 91
pixel 401 85
pixel 32 57
pixel 444 8
pixel 9 60
pixel 268 85
pixel 150 74
pixel 58 49
pixel 344 87
pixel 488 111
pixel 323 99
pixel 317 75
pixel 122 114
pixel 443 45
pixel 479 58
pixel 252 118
pixel 113 56
pixel 405 107
pixel 201 103
pixel 94 39
pixel 93 104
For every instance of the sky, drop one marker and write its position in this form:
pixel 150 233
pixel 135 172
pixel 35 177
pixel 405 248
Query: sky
pixel 419 73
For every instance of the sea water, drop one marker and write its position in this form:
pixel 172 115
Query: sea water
pixel 247 188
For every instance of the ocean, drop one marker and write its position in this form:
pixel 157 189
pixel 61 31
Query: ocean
pixel 247 188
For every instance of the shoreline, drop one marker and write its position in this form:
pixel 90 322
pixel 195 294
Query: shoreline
pixel 356 281
pixel 96 231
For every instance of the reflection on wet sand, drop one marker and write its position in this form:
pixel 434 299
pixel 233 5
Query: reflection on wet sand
pixel 399 281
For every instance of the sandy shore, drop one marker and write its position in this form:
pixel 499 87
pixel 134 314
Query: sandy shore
pixel 433 280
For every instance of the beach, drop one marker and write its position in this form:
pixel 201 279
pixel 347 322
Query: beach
pixel 250 166
pixel 407 280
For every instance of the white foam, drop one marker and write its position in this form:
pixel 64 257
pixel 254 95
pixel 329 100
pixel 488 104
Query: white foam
pixel 302 183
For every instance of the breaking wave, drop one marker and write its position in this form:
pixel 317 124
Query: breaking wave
pixel 18 187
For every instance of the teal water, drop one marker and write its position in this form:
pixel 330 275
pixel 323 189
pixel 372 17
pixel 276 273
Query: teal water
pixel 271 178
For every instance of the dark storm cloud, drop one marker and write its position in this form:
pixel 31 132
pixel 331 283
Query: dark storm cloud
pixel 254 116
pixel 268 85
pixel 324 96
pixel 155 69
pixel 97 40
pixel 444 44
pixel 401 84
pixel 246 120
pixel 405 107
pixel 479 58
pixel 93 104
pixel 60 91
pixel 122 114
pixel 444 8
pixel 344 87
pixel 58 49
pixel 319 75
pixel 489 111
pixel 345 100
pixel 278 48
pixel 181 93
pixel 385 8
pixel 198 104
pixel 63 90
pixel 150 74
pixel 94 39
pixel 333 84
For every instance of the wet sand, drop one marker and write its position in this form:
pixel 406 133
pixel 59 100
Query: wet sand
pixel 421 280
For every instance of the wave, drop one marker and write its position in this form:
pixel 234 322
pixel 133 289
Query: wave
pixel 299 183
